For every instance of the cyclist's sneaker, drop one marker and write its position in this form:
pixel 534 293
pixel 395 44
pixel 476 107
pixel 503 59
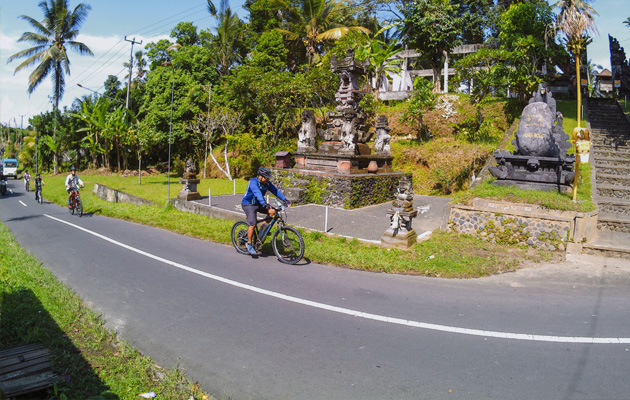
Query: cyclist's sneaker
pixel 251 249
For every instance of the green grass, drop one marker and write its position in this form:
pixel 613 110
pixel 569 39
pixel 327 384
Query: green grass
pixel 37 308
pixel 155 187
pixel 551 200
pixel 568 108
pixel 319 248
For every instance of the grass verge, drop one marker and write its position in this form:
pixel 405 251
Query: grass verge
pixel 36 308
pixel 436 257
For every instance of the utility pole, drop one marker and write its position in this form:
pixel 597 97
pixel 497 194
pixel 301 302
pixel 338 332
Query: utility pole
pixel 205 160
pixel 133 41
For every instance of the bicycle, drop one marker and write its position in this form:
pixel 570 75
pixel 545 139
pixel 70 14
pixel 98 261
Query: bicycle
pixel 38 194
pixel 26 183
pixel 287 243
pixel 75 202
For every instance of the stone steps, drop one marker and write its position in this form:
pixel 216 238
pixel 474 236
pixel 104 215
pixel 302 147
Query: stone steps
pixel 610 162
pixel 612 179
pixel 610 157
pixel 613 223
pixel 613 205
pixel 609 244
pixel 614 191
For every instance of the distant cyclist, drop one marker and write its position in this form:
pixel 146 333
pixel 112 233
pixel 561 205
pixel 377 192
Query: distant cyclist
pixel 254 201
pixel 72 181
pixel 38 185
pixel 26 177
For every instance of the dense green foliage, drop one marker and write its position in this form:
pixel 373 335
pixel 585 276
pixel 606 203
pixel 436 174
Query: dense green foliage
pixel 231 96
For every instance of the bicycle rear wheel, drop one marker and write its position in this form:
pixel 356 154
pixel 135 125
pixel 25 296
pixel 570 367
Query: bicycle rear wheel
pixel 239 236
pixel 288 245
pixel 79 207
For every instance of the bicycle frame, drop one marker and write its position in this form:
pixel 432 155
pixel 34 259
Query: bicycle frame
pixel 274 219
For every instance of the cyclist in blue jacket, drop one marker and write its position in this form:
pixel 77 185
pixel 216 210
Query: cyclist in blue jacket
pixel 254 201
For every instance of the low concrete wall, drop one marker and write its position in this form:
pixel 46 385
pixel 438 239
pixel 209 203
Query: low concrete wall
pixel 518 223
pixel 202 209
pixel 116 196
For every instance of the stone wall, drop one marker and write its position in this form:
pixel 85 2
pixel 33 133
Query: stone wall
pixel 337 190
pixel 523 224
pixel 116 196
pixel 203 209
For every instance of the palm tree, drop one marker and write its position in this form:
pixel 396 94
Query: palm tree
pixel 141 66
pixel 576 20
pixel 228 34
pixel 57 30
pixel 313 22
pixel 627 22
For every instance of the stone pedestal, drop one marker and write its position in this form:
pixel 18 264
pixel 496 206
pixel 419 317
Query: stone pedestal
pixel 343 163
pixel 189 191
pixel 400 234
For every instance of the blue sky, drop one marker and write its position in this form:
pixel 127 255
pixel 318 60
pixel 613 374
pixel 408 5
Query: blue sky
pixel 110 21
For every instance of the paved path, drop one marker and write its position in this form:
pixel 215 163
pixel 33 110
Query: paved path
pixel 367 223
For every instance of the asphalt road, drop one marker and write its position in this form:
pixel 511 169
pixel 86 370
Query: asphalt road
pixel 259 329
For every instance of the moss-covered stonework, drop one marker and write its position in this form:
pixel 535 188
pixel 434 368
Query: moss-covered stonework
pixel 524 224
pixel 337 190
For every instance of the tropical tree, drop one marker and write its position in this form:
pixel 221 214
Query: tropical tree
pixel 93 114
pixel 141 70
pixel 432 27
pixel 576 20
pixel 54 34
pixel 313 22
pixel 379 53
pixel 627 22
pixel 229 31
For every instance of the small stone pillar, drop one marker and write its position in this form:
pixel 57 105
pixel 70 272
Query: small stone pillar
pixel 190 182
pixel 189 191
pixel 400 233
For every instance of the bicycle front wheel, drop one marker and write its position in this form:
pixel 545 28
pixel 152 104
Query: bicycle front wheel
pixel 239 236
pixel 79 206
pixel 288 245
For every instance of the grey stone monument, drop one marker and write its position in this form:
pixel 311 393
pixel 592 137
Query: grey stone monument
pixel 540 161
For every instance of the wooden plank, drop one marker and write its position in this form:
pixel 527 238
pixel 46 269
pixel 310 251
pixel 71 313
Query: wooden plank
pixel 29 384
pixel 25 369
pixel 20 350
pixel 20 358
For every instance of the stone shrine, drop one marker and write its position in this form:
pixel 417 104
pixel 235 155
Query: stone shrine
pixel 341 170
pixel 540 161
pixel 189 182
pixel 344 149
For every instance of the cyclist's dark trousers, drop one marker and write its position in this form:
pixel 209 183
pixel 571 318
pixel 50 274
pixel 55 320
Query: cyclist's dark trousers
pixel 251 210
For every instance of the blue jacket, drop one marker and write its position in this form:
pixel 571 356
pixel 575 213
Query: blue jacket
pixel 256 192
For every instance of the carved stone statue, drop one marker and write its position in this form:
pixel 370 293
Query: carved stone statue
pixel 382 138
pixel 349 131
pixel 400 232
pixel 189 181
pixel 307 135
pixel 191 170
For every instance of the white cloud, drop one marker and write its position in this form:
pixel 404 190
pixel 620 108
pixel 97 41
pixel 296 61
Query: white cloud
pixel 110 52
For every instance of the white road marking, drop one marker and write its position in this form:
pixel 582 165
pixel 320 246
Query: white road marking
pixel 360 314
pixel 22 203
